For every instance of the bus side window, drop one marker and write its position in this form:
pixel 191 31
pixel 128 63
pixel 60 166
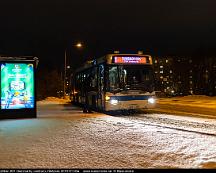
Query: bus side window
pixel 94 78
pixel 101 78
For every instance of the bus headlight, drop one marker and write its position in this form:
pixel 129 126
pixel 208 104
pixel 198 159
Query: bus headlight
pixel 151 100
pixel 114 102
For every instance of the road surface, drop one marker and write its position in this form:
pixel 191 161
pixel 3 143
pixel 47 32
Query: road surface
pixel 63 137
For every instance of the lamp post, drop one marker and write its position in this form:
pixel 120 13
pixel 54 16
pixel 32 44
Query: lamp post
pixel 78 45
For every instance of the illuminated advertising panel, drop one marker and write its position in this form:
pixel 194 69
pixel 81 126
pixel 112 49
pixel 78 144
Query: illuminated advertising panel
pixel 130 60
pixel 17 85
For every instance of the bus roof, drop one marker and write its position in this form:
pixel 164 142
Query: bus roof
pixel 119 59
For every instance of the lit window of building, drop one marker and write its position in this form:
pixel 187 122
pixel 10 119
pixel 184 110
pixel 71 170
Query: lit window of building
pixel 167 61
pixel 156 61
pixel 170 71
pixel 191 82
pixel 161 71
pixel 156 72
pixel 161 66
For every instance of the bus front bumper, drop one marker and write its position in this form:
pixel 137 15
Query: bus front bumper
pixel 131 104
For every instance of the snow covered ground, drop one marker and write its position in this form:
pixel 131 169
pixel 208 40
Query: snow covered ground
pixel 63 137
pixel 193 105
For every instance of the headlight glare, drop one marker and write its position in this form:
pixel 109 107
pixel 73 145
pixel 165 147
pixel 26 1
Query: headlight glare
pixel 151 100
pixel 114 102
pixel 107 98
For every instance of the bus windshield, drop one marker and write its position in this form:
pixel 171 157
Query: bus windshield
pixel 131 77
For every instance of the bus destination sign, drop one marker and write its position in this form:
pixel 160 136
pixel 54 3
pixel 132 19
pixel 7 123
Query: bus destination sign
pixel 130 59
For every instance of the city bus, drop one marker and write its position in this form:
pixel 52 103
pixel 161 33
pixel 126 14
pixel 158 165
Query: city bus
pixel 115 82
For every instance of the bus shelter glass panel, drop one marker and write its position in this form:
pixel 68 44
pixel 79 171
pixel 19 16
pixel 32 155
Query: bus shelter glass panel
pixel 17 85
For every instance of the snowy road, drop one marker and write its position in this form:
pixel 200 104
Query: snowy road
pixel 63 137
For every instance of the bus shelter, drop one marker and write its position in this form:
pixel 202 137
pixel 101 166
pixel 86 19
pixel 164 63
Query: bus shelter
pixel 18 87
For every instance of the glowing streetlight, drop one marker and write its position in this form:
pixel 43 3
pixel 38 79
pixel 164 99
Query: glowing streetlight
pixel 78 45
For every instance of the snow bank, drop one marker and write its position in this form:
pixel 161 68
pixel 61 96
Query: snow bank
pixel 53 100
pixel 191 97
pixel 199 97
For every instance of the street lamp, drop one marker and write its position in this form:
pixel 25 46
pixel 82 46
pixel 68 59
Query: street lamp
pixel 78 45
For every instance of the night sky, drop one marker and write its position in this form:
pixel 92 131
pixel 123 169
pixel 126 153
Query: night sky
pixel 45 28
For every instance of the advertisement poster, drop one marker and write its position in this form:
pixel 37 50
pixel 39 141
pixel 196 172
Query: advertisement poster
pixel 17 85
